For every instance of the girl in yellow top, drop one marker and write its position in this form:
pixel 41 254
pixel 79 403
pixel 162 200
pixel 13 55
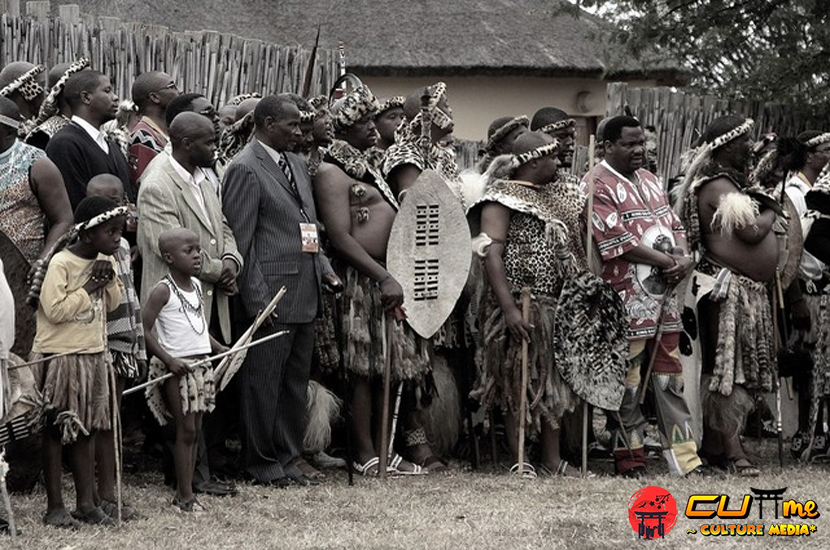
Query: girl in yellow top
pixel 78 288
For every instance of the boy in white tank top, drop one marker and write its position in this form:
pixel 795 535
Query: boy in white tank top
pixel 175 309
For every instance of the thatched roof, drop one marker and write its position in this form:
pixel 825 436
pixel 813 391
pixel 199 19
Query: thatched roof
pixel 414 37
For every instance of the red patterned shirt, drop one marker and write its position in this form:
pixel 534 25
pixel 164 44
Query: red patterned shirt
pixel 626 214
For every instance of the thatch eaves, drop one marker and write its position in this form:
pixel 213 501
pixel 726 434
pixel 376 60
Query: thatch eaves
pixel 416 37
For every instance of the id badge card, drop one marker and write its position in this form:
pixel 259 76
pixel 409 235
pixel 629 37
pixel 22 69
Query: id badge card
pixel 308 235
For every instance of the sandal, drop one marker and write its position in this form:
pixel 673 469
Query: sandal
pixel 307 469
pixel 743 470
pixel 128 513
pixel 396 460
pixel 190 506
pixel 61 518
pixel 434 464
pixel 562 469
pixel 368 469
pixel 96 516
pixel 528 470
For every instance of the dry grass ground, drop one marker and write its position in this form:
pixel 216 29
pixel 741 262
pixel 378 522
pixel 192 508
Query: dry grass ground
pixel 465 510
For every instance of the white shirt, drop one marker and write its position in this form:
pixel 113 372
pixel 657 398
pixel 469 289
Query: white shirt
pixel 276 155
pixel 194 182
pixel 97 135
pixel 811 268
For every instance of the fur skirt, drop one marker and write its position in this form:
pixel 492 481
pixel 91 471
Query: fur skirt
pixel 363 331
pixel 196 390
pixel 78 387
pixel 499 356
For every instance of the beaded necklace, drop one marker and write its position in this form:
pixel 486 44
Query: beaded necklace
pixel 187 307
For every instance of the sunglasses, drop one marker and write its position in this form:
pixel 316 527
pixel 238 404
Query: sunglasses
pixel 171 86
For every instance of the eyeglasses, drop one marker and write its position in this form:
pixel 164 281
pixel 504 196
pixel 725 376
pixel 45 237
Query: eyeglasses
pixel 209 112
pixel 171 86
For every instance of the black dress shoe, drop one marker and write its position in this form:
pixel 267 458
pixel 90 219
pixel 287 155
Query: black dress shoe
pixel 215 488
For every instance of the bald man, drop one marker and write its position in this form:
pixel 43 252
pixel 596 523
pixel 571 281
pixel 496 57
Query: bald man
pixel 151 92
pixel 175 192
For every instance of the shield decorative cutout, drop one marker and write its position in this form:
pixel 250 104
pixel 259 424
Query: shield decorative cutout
pixel 429 252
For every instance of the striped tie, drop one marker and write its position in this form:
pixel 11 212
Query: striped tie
pixel 283 164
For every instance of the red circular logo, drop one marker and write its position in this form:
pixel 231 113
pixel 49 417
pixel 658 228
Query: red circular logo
pixel 652 512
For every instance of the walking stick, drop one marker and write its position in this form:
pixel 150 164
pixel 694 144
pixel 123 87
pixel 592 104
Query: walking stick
pixel 779 428
pixel 116 441
pixel 589 252
pixel 523 394
pixel 341 365
pixel 388 335
pixel 44 359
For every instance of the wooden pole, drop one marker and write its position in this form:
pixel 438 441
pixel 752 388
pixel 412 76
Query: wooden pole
pixel 589 250
pixel 388 335
pixel 523 394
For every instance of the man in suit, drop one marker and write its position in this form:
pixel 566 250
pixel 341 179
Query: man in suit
pixel 175 192
pixel 81 150
pixel 268 201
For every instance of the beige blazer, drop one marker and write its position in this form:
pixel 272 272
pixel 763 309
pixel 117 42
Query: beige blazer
pixel 165 200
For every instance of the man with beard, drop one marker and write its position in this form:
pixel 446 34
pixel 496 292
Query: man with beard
pixel 80 149
pixel 526 213
pixel 642 246
pixel 558 125
pixel 732 230
pixel 358 208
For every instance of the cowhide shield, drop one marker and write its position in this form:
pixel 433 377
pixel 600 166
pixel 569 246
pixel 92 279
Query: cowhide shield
pixel 590 341
pixel 429 252
pixel 26 407
pixel 16 269
pixel 790 248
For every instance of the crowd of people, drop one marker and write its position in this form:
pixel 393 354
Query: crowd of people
pixel 140 239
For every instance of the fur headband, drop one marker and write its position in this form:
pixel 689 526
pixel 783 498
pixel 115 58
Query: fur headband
pixel 49 108
pixel 101 218
pixel 25 84
pixel 818 140
pixel 539 152
pixel 734 133
pixel 558 125
pixel 319 102
pixel 354 106
pixel 9 121
pixel 391 103
pixel 242 97
pixel 504 130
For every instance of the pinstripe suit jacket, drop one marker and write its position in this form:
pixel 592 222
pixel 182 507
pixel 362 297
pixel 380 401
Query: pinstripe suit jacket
pixel 165 200
pixel 265 218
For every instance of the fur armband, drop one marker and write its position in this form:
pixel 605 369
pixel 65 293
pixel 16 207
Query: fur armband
pixel 481 244
pixel 735 211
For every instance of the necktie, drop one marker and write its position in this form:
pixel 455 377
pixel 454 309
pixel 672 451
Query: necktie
pixel 283 164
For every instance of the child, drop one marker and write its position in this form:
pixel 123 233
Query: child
pixel 175 307
pixel 125 337
pixel 79 287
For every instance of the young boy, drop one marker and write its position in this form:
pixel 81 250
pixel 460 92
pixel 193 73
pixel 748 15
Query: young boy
pixel 181 336
pixel 125 338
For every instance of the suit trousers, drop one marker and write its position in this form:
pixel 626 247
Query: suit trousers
pixel 274 391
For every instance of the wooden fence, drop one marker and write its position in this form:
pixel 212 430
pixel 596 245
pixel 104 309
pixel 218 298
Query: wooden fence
pixel 218 65
pixel 680 118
